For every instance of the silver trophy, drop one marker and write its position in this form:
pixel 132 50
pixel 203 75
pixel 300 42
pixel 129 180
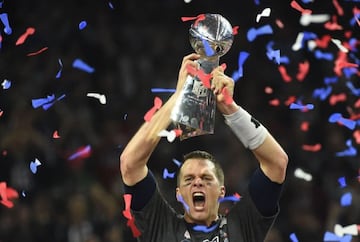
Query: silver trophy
pixel 194 113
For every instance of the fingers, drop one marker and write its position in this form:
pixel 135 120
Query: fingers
pixel 188 60
pixel 221 81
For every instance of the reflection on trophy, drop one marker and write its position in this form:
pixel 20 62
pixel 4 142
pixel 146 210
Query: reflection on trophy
pixel 194 111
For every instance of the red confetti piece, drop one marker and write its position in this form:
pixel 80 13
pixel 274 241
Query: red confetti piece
pixel 178 132
pixel 197 18
pixel 290 100
pixel 1 113
pixel 333 25
pixel 127 214
pixel 303 70
pixel 313 148
pixel 279 23
pixel 335 98
pixel 304 126
pixel 7 193
pixel 149 114
pixel 235 30
pixel 341 63
pixel 227 97
pixel 296 6
pixel 284 73
pixel 29 31
pixel 356 136
pixel 37 52
pixel 274 102
pixel 56 135
pixel 339 9
pixel 323 42
pixel 268 90
pixel 357 103
pixel 203 77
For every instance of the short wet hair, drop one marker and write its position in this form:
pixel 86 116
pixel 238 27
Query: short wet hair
pixel 200 154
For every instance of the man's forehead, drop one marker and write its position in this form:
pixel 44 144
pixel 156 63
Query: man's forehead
pixel 198 163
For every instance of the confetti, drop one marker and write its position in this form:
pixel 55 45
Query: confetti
pixel 158 90
pixel 307 19
pixel 297 6
pixel 331 237
pixel 243 55
pixel 6 84
pixel 351 151
pixel 100 97
pixel 285 76
pixel 337 118
pixel 253 33
pixel 342 182
pixel 313 148
pixel 5 20
pixel 302 107
pixel 82 152
pixel 127 214
pixel 7 194
pixel 37 52
pixel 29 31
pixel 81 65
pixel 178 163
pixel 151 112
pixel 352 229
pixel 181 199
pixel 34 165
pixel 203 77
pixel 293 237
pixel 234 198
pixel 167 174
pixel 204 228
pixel 170 135
pixel 82 25
pixel 346 199
pixel 208 50
pixel 265 13
pixel 58 75
pixel 299 173
pixel 56 135
pixel 47 102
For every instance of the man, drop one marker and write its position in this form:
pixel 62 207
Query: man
pixel 201 180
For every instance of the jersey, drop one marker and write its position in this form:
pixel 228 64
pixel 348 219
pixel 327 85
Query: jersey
pixel 158 222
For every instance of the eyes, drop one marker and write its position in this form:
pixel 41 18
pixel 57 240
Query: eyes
pixel 189 178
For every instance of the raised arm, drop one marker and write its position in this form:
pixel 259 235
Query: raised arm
pixel 134 158
pixel 272 158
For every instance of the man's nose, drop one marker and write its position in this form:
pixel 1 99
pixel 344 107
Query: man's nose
pixel 198 181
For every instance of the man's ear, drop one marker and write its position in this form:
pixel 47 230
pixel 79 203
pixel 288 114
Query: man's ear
pixel 177 194
pixel 222 191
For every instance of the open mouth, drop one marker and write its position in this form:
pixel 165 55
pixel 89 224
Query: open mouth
pixel 199 200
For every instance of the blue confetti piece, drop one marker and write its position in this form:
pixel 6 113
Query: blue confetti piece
pixel 208 50
pixel 346 199
pixel 243 55
pixel 331 80
pixel 329 236
pixel 6 84
pixel 167 174
pixel 205 229
pixel 157 90
pixel 34 165
pixel 80 64
pixel 23 194
pixel 181 199
pixel 178 163
pixel 274 55
pixel 355 91
pixel 41 101
pixel 229 198
pixel 80 153
pixel 301 107
pixel 253 33
pixel 58 75
pixel 322 93
pixel 337 117
pixel 293 237
pixel 110 5
pixel 82 25
pixel 342 182
pixel 322 55
pixel 351 151
pixel 5 20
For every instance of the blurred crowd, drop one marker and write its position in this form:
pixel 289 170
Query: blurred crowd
pixel 135 46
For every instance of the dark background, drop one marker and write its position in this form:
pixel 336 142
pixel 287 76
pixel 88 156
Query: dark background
pixel 133 47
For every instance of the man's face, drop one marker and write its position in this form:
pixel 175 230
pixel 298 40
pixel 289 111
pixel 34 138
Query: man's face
pixel 200 190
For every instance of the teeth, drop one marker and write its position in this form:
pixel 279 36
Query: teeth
pixel 196 194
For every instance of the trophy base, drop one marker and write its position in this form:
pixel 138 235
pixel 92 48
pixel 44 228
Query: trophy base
pixel 188 131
